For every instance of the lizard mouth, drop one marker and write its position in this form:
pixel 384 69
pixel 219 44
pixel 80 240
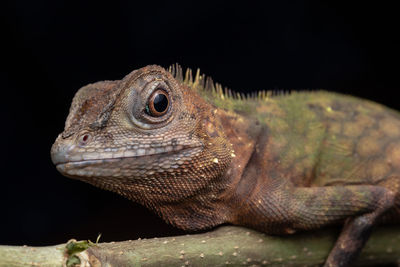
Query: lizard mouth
pixel 105 164
pixel 66 153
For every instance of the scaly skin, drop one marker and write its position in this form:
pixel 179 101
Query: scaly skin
pixel 277 164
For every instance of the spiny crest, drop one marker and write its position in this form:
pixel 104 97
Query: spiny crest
pixel 201 82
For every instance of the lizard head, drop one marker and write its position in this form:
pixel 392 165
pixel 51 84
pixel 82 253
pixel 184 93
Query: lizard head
pixel 148 137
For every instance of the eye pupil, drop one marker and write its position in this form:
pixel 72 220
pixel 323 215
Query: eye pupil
pixel 160 103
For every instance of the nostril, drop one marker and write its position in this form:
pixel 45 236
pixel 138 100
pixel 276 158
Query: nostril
pixel 84 139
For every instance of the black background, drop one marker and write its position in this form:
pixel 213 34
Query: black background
pixel 52 48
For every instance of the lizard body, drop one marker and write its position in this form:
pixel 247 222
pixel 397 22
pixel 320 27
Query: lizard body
pixel 200 156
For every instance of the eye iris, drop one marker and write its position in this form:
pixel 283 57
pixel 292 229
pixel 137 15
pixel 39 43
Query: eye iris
pixel 160 103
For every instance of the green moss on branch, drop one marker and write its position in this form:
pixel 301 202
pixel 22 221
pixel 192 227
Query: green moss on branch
pixel 225 245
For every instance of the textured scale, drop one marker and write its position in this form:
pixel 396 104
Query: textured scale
pixel 275 162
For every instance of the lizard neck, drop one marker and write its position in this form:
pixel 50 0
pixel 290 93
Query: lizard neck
pixel 251 179
pixel 214 203
pixel 243 133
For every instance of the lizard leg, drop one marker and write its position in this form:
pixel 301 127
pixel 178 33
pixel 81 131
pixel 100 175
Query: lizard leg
pixel 354 235
pixel 360 206
pixel 393 184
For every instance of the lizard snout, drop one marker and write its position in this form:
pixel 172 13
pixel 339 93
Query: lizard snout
pixel 61 152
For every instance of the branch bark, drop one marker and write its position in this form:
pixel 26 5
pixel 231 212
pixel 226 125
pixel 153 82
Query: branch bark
pixel 228 245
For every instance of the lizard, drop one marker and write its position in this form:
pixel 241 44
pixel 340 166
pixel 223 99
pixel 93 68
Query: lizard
pixel 200 155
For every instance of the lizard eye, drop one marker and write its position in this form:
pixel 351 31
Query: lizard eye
pixel 158 103
pixel 152 106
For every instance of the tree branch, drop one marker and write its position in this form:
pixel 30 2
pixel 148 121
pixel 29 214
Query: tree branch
pixel 226 245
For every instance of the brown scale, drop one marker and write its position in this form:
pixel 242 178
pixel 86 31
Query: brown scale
pixel 279 164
